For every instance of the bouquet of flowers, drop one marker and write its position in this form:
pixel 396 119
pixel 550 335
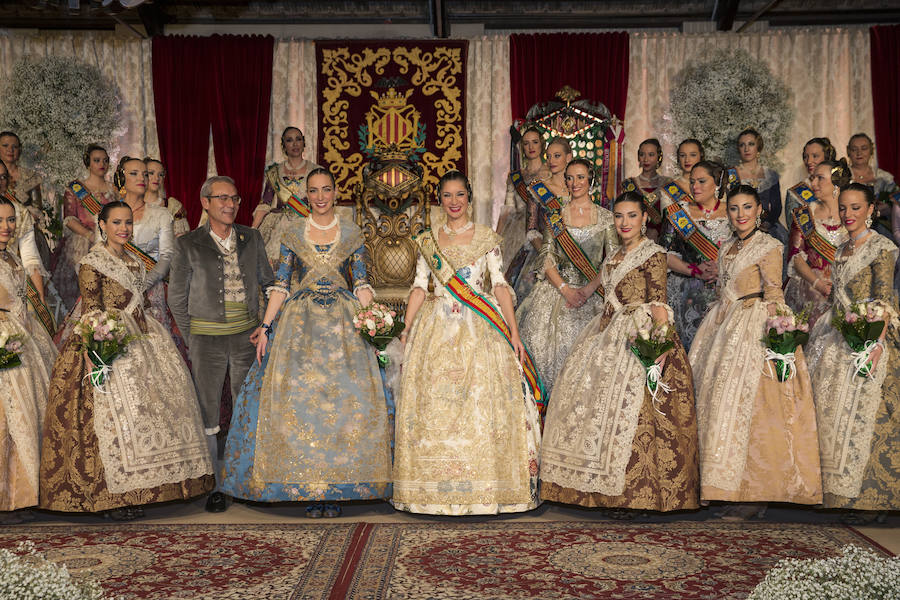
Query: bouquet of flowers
pixel 104 338
pixel 10 346
pixel 784 333
pixel 861 325
pixel 378 325
pixel 648 343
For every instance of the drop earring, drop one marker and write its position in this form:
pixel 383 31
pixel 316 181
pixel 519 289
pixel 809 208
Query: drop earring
pixel 868 222
pixel 644 229
pixel 103 236
pixel 758 221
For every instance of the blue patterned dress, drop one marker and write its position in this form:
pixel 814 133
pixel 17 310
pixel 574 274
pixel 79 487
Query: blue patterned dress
pixel 312 422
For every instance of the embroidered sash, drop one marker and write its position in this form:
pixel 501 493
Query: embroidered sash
pixel 681 221
pixel 91 205
pixel 460 289
pixel 553 218
pixel 649 199
pixel 299 205
pixel 804 219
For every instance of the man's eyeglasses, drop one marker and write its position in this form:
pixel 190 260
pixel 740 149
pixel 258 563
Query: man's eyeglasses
pixel 224 199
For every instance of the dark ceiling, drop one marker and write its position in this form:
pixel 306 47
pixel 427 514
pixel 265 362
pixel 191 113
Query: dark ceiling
pixel 443 14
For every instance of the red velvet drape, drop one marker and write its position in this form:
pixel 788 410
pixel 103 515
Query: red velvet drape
pixel 595 64
pixel 218 82
pixel 884 41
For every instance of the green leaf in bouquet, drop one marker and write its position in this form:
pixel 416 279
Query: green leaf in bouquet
pixel 641 356
pixel 872 331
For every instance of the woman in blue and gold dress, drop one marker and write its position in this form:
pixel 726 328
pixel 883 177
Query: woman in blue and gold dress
pixel 311 422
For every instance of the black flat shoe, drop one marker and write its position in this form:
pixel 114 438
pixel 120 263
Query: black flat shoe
pixel 216 503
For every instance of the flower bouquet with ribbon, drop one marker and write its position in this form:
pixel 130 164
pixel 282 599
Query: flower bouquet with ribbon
pixel 11 344
pixel 378 325
pixel 784 333
pixel 648 342
pixel 104 338
pixel 861 325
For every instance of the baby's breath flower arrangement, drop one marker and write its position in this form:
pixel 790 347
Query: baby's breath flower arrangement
pixel 58 106
pixel 857 574
pixel 26 575
pixel 716 98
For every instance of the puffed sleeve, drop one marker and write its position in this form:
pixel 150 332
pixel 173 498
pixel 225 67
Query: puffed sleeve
pixel 611 243
pixel 495 269
pixel 166 249
pixel 422 273
pixel 90 286
pixel 549 255
pixel 28 250
pixel 655 278
pixel 770 268
pixel 286 263
pixel 883 278
pixel 358 275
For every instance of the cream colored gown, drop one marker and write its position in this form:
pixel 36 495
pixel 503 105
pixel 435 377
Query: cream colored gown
pixel 467 428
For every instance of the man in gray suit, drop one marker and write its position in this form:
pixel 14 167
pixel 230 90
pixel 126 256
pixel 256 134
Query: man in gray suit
pixel 216 275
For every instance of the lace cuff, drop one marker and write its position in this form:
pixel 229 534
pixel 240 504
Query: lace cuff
pixel 669 312
pixel 277 288
pixel 533 234
pixel 262 208
pixel 364 286
pixel 791 270
pixel 512 292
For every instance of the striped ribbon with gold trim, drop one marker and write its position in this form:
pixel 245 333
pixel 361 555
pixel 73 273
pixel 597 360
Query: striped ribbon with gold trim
pixel 629 186
pixel 682 223
pixel 91 205
pixel 294 202
pixel 807 225
pixel 460 289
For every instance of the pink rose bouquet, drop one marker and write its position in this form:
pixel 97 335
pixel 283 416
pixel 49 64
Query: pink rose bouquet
pixel 104 338
pixel 378 324
pixel 861 325
pixel 11 344
pixel 785 332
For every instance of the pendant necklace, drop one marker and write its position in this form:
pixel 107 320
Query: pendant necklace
pixel 741 240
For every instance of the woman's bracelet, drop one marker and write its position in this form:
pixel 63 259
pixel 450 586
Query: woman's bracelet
pixel 561 286
pixel 695 270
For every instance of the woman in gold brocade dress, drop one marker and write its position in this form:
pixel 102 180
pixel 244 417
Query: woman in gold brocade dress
pixel 467 428
pixel 859 417
pixel 757 435
pixel 142 440
pixel 23 389
pixel 607 441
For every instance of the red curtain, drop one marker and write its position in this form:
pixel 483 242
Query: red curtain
pixel 222 82
pixel 595 64
pixel 884 42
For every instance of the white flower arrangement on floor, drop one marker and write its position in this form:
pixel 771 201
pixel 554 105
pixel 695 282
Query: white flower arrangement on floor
pixel 58 106
pixel 857 574
pixel 27 575
pixel 716 98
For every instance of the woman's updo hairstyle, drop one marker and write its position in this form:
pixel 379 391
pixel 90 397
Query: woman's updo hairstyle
pixel 827 147
pixel 119 175
pixel 755 134
pixel 719 174
pixel 840 172
pixel 320 171
pixel 631 197
pixel 659 152
pixel 288 128
pixel 91 148
pixel 695 141
pixel 743 190
pixel 534 129
pixel 864 136
pixel 454 175
pixel 584 163
pixel 866 191
pixel 4 201
pixel 561 141
pixel 107 208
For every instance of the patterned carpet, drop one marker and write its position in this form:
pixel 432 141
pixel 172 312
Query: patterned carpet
pixel 478 561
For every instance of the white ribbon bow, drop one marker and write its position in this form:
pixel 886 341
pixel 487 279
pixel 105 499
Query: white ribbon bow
pixel 99 374
pixel 654 374
pixel 789 360
pixel 862 357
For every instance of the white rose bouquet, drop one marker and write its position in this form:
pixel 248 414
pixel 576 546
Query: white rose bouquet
pixel 861 325
pixel 648 342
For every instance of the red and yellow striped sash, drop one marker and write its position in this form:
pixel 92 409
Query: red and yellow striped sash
pixel 807 225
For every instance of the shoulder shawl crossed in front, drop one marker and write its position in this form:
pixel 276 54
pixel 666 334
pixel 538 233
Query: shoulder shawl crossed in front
pixel 105 263
pixel 350 238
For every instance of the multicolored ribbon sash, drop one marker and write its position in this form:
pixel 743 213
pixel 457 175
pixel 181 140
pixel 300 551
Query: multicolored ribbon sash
pixel 553 218
pixel 733 179
pixel 290 199
pixel 91 205
pixel 520 185
pixel 649 199
pixel 460 289
pixel 804 219
pixel 682 223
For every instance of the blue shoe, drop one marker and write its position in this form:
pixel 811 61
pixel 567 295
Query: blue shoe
pixel 315 511
pixel 332 510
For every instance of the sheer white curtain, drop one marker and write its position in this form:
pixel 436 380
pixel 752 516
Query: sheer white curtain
pixel 294 101
pixel 123 59
pixel 828 71
pixel 488 117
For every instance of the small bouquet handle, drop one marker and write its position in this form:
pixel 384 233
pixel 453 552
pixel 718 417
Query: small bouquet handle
pixel 785 364
pixel 861 365
pixel 648 344
pixel 99 375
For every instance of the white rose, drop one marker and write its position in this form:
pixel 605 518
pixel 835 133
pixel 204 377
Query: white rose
pixel 643 333
pixel 388 320
pixel 3 338
pixel 370 324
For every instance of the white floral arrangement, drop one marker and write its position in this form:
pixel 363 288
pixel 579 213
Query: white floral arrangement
pixel 26 575
pixel 58 106
pixel 857 574
pixel 718 97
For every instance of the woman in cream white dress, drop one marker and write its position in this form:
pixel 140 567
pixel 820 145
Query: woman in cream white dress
pixel 467 427
pixel 156 196
pixel 757 435
pixel 859 417
pixel 23 389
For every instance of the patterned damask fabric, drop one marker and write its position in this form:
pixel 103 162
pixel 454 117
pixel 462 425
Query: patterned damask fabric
pixel 859 418
pixel 142 441
pixel 736 390
pixel 23 394
pixel 606 443
pixel 468 433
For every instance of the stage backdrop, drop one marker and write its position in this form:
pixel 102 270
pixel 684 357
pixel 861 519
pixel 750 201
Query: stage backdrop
pixel 373 93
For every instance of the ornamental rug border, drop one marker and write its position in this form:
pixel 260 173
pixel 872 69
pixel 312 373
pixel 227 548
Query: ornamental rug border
pixel 421 84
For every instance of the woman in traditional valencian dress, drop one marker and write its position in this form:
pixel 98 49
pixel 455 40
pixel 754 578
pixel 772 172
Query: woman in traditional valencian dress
pixel 156 196
pixel 859 417
pixel 311 422
pixel 695 229
pixel 648 182
pixel 816 233
pixel 23 389
pixel 519 223
pixel 80 222
pixel 467 426
pixel 757 435
pixel 283 181
pixel 24 183
pixel 815 151
pixel 764 180
pixel 608 441
pixel 859 153
pixel 139 440
pixel 557 309
pixel 559 154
